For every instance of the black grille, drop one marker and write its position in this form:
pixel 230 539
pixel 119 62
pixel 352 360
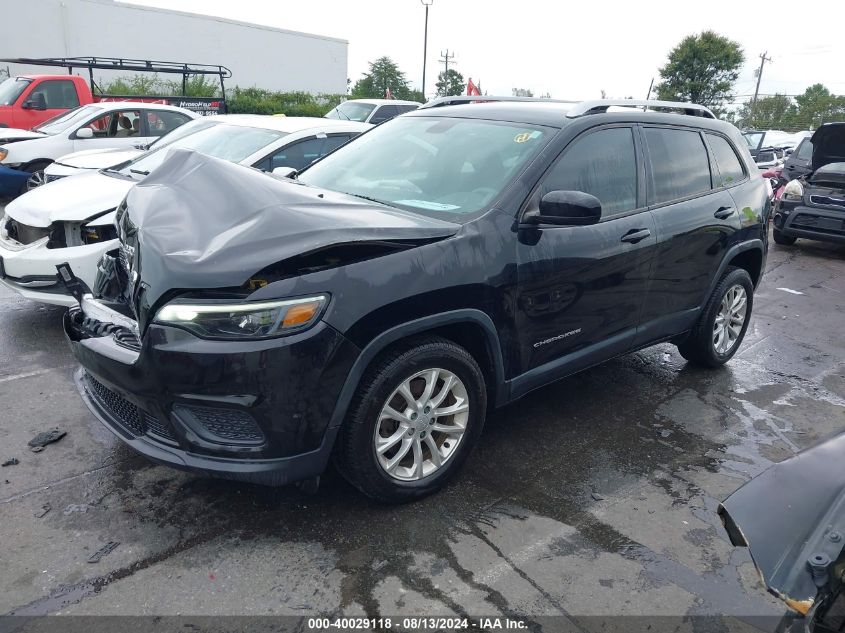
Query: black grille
pixel 157 427
pixel 223 424
pixel 819 224
pixel 124 411
pixel 828 200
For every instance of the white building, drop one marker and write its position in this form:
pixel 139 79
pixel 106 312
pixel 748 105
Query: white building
pixel 257 55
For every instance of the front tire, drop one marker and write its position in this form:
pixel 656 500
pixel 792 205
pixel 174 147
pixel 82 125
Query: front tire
pixel 418 413
pixel 37 177
pixel 719 331
pixel 783 240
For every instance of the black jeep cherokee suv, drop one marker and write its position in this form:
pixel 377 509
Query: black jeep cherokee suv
pixel 376 307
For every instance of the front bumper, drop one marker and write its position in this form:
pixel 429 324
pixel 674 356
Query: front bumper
pixel 254 411
pixel 30 270
pixel 813 223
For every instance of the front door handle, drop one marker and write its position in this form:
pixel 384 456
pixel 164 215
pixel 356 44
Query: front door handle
pixel 635 235
pixel 723 212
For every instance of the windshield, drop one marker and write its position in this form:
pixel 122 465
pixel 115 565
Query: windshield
pixel 234 143
pixel 442 167
pixel 67 120
pixel 753 139
pixel 12 88
pixel 351 111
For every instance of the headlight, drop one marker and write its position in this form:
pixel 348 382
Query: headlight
pixel 794 190
pixel 243 320
pixel 3 153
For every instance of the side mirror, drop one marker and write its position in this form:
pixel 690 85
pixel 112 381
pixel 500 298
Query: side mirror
pixel 36 101
pixel 568 208
pixel 775 182
pixel 284 172
pixel 85 132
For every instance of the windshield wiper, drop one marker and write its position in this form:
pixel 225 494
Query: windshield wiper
pixel 116 172
pixel 140 172
pixel 369 199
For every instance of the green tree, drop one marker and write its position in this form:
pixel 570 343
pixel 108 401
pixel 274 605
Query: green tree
pixel 777 112
pixel 384 74
pixel 701 69
pixel 817 105
pixel 450 83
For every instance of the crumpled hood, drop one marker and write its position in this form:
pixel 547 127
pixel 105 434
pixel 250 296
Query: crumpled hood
pixel 788 516
pixel 831 174
pixel 69 200
pixel 11 134
pixel 99 158
pixel 201 222
pixel 828 144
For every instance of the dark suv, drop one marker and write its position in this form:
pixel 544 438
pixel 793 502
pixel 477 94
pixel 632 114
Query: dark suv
pixel 376 307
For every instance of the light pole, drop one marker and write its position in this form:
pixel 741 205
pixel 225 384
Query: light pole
pixel 427 4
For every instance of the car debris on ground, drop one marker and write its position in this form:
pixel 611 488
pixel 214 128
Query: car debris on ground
pixel 37 443
pixel 12 461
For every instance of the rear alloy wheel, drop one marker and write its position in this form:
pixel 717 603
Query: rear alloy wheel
pixel 418 412
pixel 723 322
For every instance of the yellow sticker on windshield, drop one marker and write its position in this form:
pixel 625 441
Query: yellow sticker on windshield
pixel 521 138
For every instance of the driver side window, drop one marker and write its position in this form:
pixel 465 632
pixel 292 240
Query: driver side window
pixel 601 163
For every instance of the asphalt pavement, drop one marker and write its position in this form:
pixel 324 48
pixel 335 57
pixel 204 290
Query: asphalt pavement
pixel 594 496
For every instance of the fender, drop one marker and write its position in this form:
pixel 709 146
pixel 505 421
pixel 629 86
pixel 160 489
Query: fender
pixel 404 330
pixel 733 251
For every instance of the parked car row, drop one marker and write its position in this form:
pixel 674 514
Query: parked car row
pixel 72 220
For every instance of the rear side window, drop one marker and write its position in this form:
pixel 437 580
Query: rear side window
pixel 161 122
pixel 384 113
pixel 805 150
pixel 730 169
pixel 679 164
pixel 603 164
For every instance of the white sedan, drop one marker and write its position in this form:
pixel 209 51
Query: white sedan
pixel 24 154
pixel 71 220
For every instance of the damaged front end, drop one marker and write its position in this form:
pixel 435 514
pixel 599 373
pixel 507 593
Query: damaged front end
pixel 792 519
pixel 203 341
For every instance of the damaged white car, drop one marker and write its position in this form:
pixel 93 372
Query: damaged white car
pixel 72 220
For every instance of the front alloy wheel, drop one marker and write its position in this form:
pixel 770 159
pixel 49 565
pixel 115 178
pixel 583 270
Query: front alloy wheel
pixel 36 179
pixel 418 411
pixel 422 424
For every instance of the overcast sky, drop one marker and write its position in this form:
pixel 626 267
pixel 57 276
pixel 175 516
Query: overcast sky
pixel 572 50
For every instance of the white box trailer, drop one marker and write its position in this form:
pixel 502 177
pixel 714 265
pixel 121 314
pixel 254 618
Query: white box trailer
pixel 258 56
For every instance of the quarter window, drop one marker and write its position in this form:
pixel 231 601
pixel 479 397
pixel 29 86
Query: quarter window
pixel 603 164
pixel 679 164
pixel 730 169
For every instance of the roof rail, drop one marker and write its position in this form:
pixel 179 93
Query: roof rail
pixel 601 105
pixel 459 99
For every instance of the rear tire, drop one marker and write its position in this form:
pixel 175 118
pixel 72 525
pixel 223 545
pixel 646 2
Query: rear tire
pixel 400 417
pixel 722 325
pixel 783 240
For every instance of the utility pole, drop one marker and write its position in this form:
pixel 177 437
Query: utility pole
pixel 427 4
pixel 444 59
pixel 763 60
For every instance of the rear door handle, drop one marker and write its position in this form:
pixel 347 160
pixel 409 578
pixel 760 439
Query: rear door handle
pixel 635 235
pixel 723 212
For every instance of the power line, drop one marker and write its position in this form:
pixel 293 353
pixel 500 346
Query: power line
pixel 445 58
